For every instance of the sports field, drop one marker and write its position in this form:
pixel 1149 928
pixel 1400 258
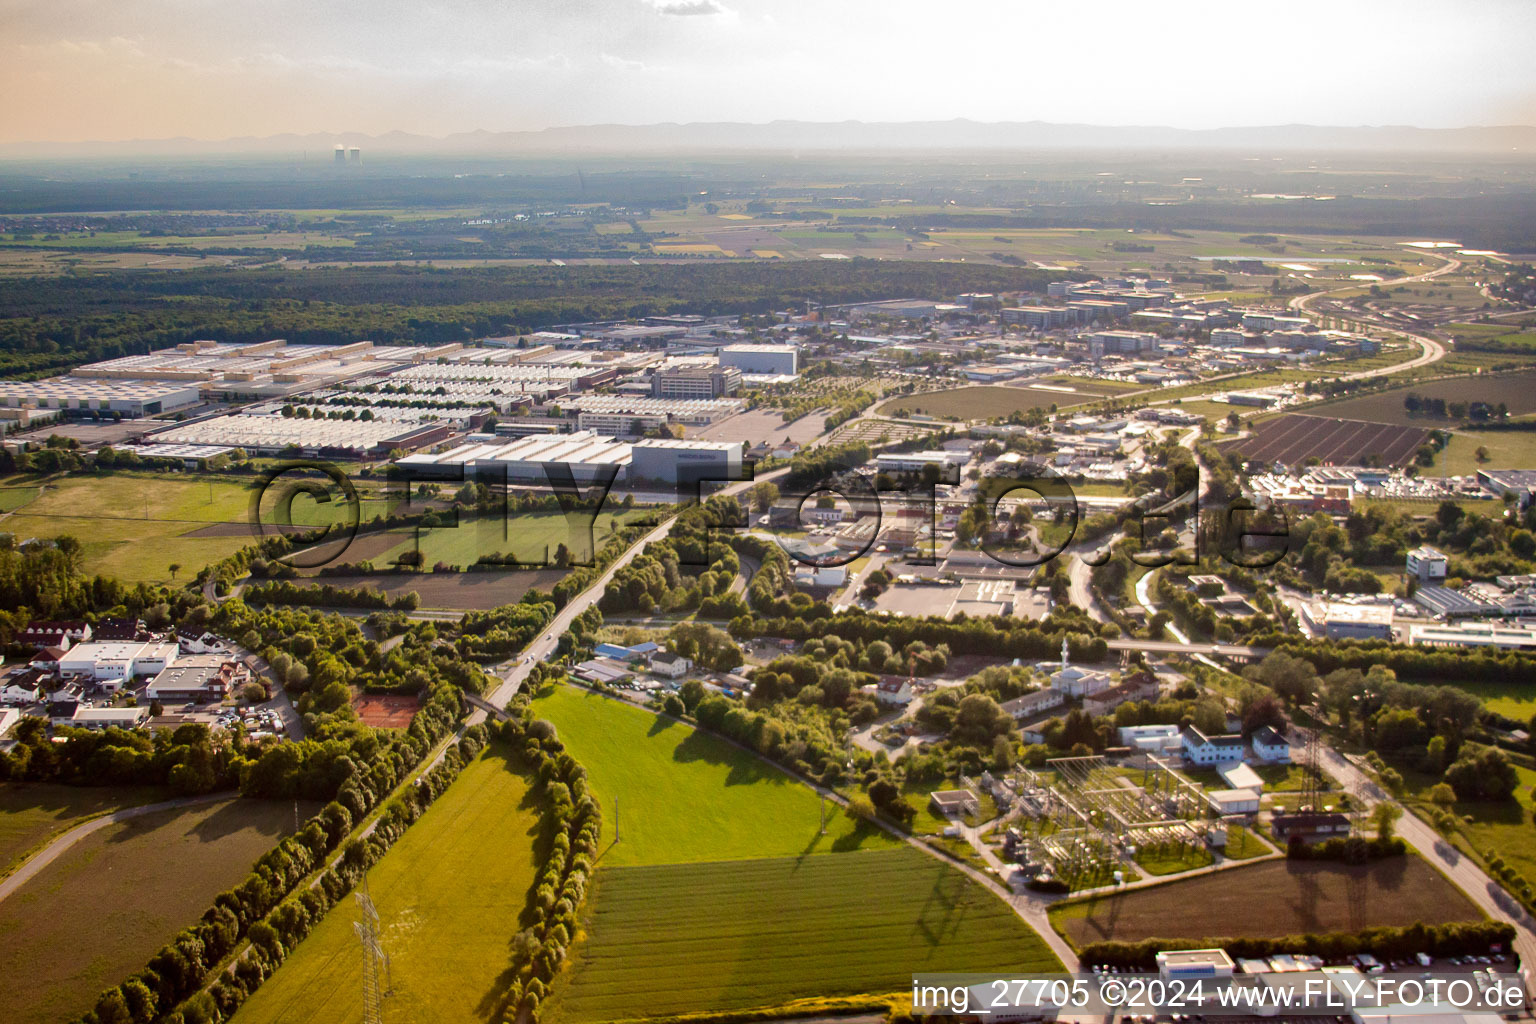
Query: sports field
pixel 1295 897
pixel 99 912
pixel 451 894
pixel 685 795
pixel 676 938
pixel 32 814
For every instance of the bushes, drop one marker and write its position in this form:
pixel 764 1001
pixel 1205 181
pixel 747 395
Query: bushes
pixel 1455 939
pixel 1353 850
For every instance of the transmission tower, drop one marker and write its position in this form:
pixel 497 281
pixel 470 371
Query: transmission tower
pixel 1312 785
pixel 376 979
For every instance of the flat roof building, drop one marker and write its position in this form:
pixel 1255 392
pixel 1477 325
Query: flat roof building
pixel 762 358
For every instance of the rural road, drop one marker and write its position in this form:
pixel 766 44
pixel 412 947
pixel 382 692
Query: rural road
pixel 50 853
pixel 1460 869
pixel 543 646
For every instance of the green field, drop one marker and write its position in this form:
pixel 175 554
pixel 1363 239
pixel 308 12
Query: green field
pixel 664 939
pixel 1506 449
pixel 1501 827
pixel 99 912
pixel 32 814
pixel 685 795
pixel 135 525
pixel 450 894
pixel 530 538
pixel 1513 699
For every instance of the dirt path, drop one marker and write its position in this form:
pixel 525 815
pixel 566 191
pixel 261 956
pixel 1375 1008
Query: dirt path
pixel 54 850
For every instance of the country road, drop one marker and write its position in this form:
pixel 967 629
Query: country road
pixel 54 850
pixel 1460 869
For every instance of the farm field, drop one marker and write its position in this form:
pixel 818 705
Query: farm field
pixel 987 401
pixel 1298 896
pixel 685 795
pixel 1506 449
pixel 135 525
pixel 1516 390
pixel 32 814
pixel 106 906
pixel 764 932
pixel 1294 438
pixel 450 896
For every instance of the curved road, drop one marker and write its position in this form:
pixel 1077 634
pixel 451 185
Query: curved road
pixel 1432 352
pixel 54 850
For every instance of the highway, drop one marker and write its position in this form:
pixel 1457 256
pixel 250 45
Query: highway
pixel 1432 350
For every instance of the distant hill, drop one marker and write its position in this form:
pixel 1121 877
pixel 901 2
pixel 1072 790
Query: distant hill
pixel 843 136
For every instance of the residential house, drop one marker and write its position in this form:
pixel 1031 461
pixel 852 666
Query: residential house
pixel 21 686
pixel 894 690
pixel 1137 686
pixel 43 633
pixel 62 712
pixel 673 666
pixel 1210 750
pixel 1271 747
pixel 47 659
pixel 121 629
pixel 1032 704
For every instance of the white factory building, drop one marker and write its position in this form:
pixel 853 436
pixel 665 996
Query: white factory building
pixel 117 660
pixel 129 398
pixel 913 462
pixel 587 456
pixel 762 358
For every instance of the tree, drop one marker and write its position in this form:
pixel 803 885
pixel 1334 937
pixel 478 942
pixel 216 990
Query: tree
pixel 1482 774
pixel 1441 795
pixel 762 495
pixel 175 568
pixel 1384 819
pixel 1481 454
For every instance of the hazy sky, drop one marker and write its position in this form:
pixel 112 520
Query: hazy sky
pixel 122 69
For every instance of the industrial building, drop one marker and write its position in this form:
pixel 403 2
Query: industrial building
pixel 1348 621
pixel 124 397
pixel 685 462
pixel 777 359
pixel 696 381
pixel 274 435
pixel 1427 563
pixel 915 462
pixel 688 411
pixel 529 460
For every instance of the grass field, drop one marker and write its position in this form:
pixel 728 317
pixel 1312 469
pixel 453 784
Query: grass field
pixel 96 914
pixel 1276 897
pixel 1513 699
pixel 1500 827
pixel 32 814
pixel 686 795
pixel 1517 390
pixel 135 525
pixel 764 932
pixel 450 896
pixel 1507 449
pixel 986 401
pixel 1171 862
pixel 531 538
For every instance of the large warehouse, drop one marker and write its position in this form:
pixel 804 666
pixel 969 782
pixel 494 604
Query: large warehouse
pixel 128 398
pixel 588 456
pixel 762 358
pixel 685 462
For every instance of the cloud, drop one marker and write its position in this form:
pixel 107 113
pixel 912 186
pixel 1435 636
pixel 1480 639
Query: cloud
pixel 687 7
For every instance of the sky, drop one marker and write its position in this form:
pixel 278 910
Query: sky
pixel 75 70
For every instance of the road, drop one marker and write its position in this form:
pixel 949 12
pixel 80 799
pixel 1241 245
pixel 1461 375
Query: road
pixel 543 646
pixel 54 850
pixel 1461 870
pixel 1432 350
